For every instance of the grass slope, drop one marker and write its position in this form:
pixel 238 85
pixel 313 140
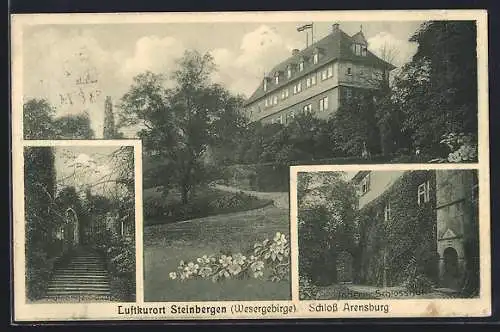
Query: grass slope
pixel 165 245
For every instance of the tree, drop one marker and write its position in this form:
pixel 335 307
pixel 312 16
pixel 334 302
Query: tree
pixel 37 119
pixel 39 122
pixel 437 90
pixel 110 130
pixel 182 122
pixel 354 125
pixel 40 220
pixel 73 127
pixel 327 223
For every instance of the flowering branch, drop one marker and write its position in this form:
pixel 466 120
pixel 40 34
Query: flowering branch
pixel 269 256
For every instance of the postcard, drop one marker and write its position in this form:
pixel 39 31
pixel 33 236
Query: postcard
pixel 250 165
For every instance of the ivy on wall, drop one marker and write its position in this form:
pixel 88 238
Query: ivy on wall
pixel 407 239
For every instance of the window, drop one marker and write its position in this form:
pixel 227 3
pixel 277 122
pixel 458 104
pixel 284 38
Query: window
pixel 307 108
pixel 292 115
pixel 299 86
pixel 279 119
pixel 295 89
pixel 423 193
pixel 349 71
pixel 277 79
pixel 329 71
pixel 275 100
pixel 356 49
pixel 284 94
pixel 365 184
pixel 313 79
pixel 289 72
pixel 359 49
pixel 315 58
pixel 308 82
pixel 387 211
pixel 324 75
pixel 301 66
pixel 265 85
pixel 323 104
pixel 266 103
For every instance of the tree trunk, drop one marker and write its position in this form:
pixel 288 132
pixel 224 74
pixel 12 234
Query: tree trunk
pixel 185 194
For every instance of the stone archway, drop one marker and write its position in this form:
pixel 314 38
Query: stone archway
pixel 75 225
pixel 451 268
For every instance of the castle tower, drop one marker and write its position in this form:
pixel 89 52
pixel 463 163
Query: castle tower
pixel 457 226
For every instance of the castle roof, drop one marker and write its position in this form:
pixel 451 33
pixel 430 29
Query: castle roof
pixel 335 46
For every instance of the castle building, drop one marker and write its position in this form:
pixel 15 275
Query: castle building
pixel 447 199
pixel 317 79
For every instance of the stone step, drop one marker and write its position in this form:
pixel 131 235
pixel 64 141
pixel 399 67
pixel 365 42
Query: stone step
pixel 77 286
pixel 79 269
pixel 77 293
pixel 83 271
pixel 79 282
pixel 72 276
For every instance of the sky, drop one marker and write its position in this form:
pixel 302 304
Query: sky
pixel 76 66
pixel 85 165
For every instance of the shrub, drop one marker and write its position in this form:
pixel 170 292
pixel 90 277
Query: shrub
pixel 38 274
pixel 307 290
pixel 122 257
pixel 418 284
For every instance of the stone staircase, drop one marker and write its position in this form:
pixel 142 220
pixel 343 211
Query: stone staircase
pixel 83 279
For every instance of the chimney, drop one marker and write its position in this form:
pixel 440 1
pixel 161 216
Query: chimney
pixel 295 51
pixel 335 27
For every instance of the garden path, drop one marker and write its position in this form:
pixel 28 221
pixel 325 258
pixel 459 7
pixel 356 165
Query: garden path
pixel 83 279
pixel 280 199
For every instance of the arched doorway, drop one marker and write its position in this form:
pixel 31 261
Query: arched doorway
pixel 451 273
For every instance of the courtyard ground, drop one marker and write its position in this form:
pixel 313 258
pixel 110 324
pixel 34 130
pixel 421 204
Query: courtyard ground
pixel 364 292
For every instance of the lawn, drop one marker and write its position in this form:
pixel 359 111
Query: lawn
pixel 207 201
pixel 165 245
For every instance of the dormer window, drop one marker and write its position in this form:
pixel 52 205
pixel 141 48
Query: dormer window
pixel 289 72
pixel 277 78
pixel 301 65
pixel 315 58
pixel 359 49
pixel 365 184
pixel 265 84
